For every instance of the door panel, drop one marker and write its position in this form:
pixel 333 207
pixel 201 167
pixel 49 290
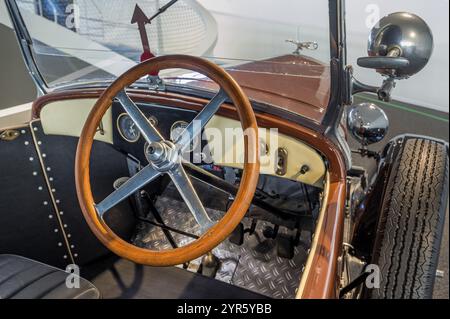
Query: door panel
pixel 28 224
pixel 107 165
pixel 26 227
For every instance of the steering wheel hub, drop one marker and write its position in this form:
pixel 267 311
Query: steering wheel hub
pixel 163 156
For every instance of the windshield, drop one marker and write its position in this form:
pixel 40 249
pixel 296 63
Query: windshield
pixel 278 51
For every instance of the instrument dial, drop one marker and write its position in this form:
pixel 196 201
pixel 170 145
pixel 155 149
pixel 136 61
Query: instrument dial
pixel 177 129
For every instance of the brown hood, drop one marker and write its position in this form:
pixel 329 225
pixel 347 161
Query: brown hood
pixel 295 83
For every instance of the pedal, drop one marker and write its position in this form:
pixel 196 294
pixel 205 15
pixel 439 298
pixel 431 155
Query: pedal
pixel 271 233
pixel 237 236
pixel 209 266
pixel 285 247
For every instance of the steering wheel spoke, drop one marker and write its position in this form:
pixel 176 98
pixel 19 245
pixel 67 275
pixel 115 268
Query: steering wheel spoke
pixel 150 133
pixel 196 126
pixel 135 183
pixel 187 191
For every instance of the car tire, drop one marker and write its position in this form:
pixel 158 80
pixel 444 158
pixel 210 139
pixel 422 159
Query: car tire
pixel 411 223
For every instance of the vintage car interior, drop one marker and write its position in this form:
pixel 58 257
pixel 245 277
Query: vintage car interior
pixel 274 236
pixel 107 181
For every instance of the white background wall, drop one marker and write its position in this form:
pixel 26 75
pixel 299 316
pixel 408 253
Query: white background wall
pixel 428 88
pixel 258 29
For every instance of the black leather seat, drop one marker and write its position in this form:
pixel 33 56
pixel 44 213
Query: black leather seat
pixel 22 278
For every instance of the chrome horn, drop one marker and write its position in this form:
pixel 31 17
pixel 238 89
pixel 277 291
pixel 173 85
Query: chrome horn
pixel 367 123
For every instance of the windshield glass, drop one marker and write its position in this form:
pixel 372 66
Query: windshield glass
pixel 278 51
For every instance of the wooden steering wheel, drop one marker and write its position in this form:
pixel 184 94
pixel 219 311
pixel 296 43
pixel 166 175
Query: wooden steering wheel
pixel 164 157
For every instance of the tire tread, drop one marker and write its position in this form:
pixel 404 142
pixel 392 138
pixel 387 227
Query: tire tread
pixel 411 225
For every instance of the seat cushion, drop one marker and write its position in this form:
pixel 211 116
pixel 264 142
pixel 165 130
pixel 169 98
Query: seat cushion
pixel 22 278
pixel 123 279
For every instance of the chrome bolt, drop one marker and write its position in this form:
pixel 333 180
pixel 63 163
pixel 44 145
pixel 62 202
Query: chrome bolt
pixel 304 169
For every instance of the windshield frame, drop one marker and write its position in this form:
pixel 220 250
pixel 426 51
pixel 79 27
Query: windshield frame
pixel 338 79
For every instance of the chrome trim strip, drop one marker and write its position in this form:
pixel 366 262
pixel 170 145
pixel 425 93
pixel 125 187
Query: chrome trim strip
pixel 49 189
pixel 314 246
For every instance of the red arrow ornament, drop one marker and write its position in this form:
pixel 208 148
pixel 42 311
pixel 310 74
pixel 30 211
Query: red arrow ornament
pixel 141 19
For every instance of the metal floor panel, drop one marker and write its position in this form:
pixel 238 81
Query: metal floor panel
pixel 254 265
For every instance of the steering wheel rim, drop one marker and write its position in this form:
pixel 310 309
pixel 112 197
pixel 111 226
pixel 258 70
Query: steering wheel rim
pixel 223 228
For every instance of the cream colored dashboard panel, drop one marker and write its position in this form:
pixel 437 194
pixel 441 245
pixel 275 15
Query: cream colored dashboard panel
pixel 225 138
pixel 68 117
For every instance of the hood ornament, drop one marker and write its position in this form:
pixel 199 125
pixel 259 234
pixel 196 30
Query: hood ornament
pixel 312 46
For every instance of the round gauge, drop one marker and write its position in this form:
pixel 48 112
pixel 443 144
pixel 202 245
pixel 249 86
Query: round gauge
pixel 127 128
pixel 153 120
pixel 177 129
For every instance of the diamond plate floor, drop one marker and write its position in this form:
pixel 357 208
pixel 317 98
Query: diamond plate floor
pixel 254 265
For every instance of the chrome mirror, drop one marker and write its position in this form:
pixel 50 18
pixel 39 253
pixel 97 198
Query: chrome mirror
pixel 367 123
pixel 399 46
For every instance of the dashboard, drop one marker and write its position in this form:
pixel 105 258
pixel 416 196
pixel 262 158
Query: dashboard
pixel 281 155
pixel 169 121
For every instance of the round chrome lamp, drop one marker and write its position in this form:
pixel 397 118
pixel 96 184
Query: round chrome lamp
pixel 367 123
